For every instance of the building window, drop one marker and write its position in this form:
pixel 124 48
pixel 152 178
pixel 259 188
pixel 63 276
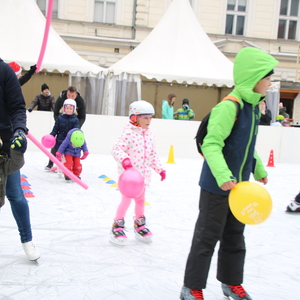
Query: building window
pixel 191 2
pixel 105 11
pixel 235 17
pixel 288 19
pixel 43 5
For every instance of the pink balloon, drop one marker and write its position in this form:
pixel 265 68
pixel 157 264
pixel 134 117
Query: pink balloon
pixel 131 183
pixel 48 141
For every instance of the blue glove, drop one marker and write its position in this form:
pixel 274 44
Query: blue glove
pixel 19 141
pixel 29 109
pixel 186 106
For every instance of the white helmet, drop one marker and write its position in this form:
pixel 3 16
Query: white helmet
pixel 70 102
pixel 141 107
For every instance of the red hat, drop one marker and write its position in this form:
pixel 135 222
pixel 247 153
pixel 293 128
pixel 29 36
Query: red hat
pixel 16 67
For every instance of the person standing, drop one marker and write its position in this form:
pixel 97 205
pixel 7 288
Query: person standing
pixel 44 101
pixel 71 148
pixel 266 115
pixel 13 130
pixel 185 112
pixel 71 93
pixel 230 157
pixel 66 121
pixel 136 148
pixel 168 107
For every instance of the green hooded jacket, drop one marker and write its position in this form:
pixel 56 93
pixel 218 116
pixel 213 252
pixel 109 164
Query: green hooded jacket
pixel 250 66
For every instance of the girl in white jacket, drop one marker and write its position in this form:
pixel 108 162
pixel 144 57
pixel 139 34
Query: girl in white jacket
pixel 136 148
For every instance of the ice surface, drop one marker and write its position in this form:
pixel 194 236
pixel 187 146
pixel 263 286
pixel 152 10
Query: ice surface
pixel 71 228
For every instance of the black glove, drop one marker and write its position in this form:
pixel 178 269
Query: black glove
pixel 19 141
pixel 30 109
pixel 33 68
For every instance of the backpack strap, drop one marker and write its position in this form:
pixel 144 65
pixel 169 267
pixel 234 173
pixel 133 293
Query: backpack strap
pixel 236 101
pixel 232 98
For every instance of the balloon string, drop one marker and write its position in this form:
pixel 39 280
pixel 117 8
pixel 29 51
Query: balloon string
pixel 46 34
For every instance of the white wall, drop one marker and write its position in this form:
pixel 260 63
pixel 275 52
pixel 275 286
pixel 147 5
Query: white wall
pixel 101 132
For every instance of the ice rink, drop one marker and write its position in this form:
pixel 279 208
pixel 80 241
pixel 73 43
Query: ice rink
pixel 71 228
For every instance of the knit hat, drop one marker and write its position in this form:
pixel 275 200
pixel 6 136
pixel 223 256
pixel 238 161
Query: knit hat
pixel 269 74
pixel 185 101
pixel 279 118
pixel 44 87
pixel 16 67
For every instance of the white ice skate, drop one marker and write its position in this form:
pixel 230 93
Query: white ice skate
pixel 293 207
pixel 31 251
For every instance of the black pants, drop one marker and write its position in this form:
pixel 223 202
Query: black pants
pixel 297 198
pixel 216 223
pixel 53 152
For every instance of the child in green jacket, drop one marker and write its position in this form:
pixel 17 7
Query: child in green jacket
pixel 184 112
pixel 230 157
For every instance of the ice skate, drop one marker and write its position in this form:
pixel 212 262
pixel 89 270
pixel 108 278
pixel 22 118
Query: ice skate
pixel 191 294
pixel 54 169
pixel 68 179
pixel 141 231
pixel 48 167
pixel 31 251
pixel 117 234
pixel 293 207
pixel 59 173
pixel 235 292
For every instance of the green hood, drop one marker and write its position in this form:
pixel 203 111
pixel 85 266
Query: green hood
pixel 250 66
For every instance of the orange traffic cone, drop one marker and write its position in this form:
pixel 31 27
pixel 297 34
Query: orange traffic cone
pixel 271 160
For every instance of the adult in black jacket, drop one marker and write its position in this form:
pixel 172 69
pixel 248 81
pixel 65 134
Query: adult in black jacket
pixel 71 93
pixel 13 133
pixel 44 101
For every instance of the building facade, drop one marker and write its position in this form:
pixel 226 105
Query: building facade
pixel 104 31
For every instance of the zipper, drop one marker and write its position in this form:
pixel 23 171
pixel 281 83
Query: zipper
pixel 248 144
pixel 143 132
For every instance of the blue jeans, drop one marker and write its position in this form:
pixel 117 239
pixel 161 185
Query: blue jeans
pixel 19 206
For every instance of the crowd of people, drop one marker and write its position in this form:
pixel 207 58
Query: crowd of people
pixel 222 168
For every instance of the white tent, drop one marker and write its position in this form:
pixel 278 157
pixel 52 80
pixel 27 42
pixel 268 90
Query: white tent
pixel 178 49
pixel 22 30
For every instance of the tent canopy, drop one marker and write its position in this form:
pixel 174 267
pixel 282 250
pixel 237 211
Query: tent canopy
pixel 178 49
pixel 22 30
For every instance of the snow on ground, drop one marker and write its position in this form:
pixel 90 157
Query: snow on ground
pixel 71 228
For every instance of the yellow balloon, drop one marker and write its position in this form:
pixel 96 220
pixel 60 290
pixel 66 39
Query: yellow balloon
pixel 250 203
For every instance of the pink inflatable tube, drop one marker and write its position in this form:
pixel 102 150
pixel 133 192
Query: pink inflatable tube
pixel 46 33
pixel 56 161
